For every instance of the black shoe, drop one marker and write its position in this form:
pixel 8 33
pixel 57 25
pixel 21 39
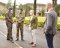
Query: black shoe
pixel 22 39
pixel 8 39
pixel 32 43
pixel 11 40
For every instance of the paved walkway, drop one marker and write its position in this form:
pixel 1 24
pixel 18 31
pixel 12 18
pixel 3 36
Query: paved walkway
pixel 41 41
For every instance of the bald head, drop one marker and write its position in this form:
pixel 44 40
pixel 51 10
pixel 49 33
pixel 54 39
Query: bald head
pixel 49 6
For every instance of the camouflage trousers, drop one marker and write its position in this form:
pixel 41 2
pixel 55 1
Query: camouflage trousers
pixel 19 28
pixel 9 30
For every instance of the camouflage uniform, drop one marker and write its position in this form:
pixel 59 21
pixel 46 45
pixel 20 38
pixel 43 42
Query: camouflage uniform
pixel 34 23
pixel 34 30
pixel 9 23
pixel 20 21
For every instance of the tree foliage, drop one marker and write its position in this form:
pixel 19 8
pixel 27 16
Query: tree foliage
pixel 20 6
pixel 57 9
pixel 54 2
pixel 9 4
pixel 25 7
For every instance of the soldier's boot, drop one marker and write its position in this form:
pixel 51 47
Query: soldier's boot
pixel 8 38
pixel 11 39
pixel 22 39
pixel 17 36
pixel 17 39
pixel 22 36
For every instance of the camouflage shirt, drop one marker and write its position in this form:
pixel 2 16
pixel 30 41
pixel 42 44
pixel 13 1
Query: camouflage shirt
pixel 34 23
pixel 20 16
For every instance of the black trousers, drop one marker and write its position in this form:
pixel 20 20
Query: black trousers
pixel 49 38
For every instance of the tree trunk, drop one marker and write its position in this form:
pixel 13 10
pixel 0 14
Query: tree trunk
pixel 14 7
pixel 34 7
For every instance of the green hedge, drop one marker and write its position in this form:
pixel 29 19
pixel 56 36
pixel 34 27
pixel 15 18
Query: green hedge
pixel 2 17
pixel 58 26
pixel 40 21
pixel 41 24
pixel 27 20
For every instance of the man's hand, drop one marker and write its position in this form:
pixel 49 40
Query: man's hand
pixel 11 21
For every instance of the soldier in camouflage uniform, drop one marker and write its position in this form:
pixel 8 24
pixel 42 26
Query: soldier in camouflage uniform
pixel 33 23
pixel 9 23
pixel 20 16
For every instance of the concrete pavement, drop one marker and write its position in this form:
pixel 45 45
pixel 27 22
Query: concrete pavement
pixel 41 41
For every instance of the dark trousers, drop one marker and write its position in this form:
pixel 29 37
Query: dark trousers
pixel 49 38
pixel 9 29
pixel 19 27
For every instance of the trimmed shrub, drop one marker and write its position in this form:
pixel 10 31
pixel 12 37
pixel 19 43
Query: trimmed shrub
pixel 58 26
pixel 40 21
